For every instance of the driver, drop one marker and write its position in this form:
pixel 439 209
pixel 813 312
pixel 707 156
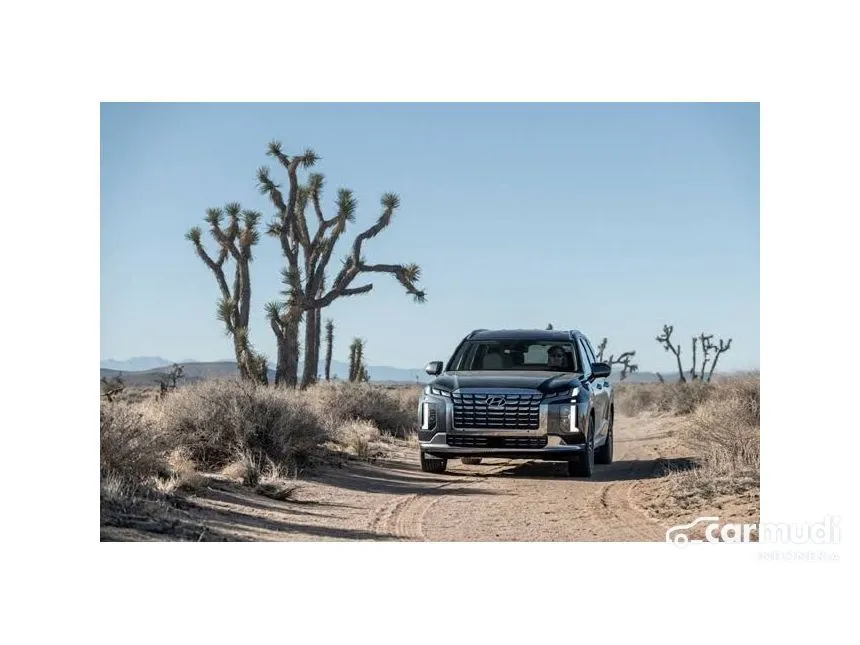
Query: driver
pixel 555 357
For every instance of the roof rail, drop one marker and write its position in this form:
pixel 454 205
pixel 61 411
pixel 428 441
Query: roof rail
pixel 572 333
pixel 475 331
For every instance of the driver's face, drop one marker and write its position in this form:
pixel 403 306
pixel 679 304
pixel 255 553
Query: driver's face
pixel 555 358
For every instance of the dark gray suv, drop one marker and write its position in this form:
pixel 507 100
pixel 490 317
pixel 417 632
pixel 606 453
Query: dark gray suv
pixel 518 394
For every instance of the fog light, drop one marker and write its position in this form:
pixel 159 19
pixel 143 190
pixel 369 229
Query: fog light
pixel 573 418
pixel 425 416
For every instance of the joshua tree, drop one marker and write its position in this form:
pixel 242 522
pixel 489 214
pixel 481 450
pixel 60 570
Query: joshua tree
pixel 329 341
pixel 357 368
pixel 307 257
pixel 234 241
pixel 624 359
pixel 705 341
pixel 723 347
pixel 168 381
pixel 665 340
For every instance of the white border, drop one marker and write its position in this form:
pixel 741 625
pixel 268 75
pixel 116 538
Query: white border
pixel 62 59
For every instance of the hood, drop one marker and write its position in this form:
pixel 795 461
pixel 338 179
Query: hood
pixel 532 380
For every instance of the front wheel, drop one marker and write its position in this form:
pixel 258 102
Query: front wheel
pixel 433 464
pixel 584 465
pixel 603 455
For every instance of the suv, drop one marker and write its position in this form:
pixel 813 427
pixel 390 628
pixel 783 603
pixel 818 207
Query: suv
pixel 518 394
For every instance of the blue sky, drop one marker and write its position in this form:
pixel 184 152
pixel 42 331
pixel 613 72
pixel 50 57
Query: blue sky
pixel 610 218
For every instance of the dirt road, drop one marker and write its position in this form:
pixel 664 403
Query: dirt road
pixel 498 500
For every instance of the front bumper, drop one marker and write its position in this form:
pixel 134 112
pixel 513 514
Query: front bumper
pixel 556 438
pixel 556 448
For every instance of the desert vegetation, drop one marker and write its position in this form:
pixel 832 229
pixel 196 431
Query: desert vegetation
pixel 718 427
pixel 153 446
pixel 306 253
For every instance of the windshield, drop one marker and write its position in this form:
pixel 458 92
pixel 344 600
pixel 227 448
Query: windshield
pixel 516 355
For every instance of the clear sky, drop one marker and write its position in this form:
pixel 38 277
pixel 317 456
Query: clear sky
pixel 610 218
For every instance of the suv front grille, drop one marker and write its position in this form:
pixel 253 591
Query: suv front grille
pixel 496 442
pixel 514 411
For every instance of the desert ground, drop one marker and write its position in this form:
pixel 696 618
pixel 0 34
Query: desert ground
pixel 386 497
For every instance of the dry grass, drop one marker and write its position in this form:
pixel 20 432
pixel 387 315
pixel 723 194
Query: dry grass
pixel 131 446
pixel 216 419
pixel 674 398
pixel 723 433
pixel 259 436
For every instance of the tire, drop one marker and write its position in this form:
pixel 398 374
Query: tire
pixel 433 464
pixel 584 465
pixel 603 455
pixel 470 461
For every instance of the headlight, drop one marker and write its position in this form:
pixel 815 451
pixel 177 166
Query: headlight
pixel 437 391
pixel 563 394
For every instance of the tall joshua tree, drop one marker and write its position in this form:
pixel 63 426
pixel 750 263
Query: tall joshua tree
pixel 329 341
pixel 235 240
pixel 307 258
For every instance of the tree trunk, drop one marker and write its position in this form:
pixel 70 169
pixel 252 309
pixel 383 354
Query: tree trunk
pixel 309 373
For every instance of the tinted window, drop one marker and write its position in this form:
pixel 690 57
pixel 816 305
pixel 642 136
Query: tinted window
pixel 587 360
pixel 513 355
pixel 589 351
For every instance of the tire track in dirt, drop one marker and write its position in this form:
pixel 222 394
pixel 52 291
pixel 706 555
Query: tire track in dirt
pixel 404 515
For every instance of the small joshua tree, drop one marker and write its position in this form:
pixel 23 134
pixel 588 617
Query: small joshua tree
pixel 357 368
pixel 169 380
pixel 329 341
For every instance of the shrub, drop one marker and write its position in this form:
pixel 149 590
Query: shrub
pixel 342 402
pixel 217 419
pixel 131 447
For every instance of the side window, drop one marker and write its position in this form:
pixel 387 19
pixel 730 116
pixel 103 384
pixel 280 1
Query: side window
pixel 589 351
pixel 584 360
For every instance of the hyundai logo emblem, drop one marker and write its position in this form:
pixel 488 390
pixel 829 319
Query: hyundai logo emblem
pixel 496 402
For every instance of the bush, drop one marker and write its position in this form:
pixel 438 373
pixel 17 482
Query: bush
pixel 132 449
pixel 215 420
pixel 342 402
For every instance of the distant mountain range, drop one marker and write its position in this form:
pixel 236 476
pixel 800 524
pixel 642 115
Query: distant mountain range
pixel 145 370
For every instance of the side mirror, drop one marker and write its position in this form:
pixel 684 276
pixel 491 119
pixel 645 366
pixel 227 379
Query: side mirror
pixel 601 370
pixel 433 368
